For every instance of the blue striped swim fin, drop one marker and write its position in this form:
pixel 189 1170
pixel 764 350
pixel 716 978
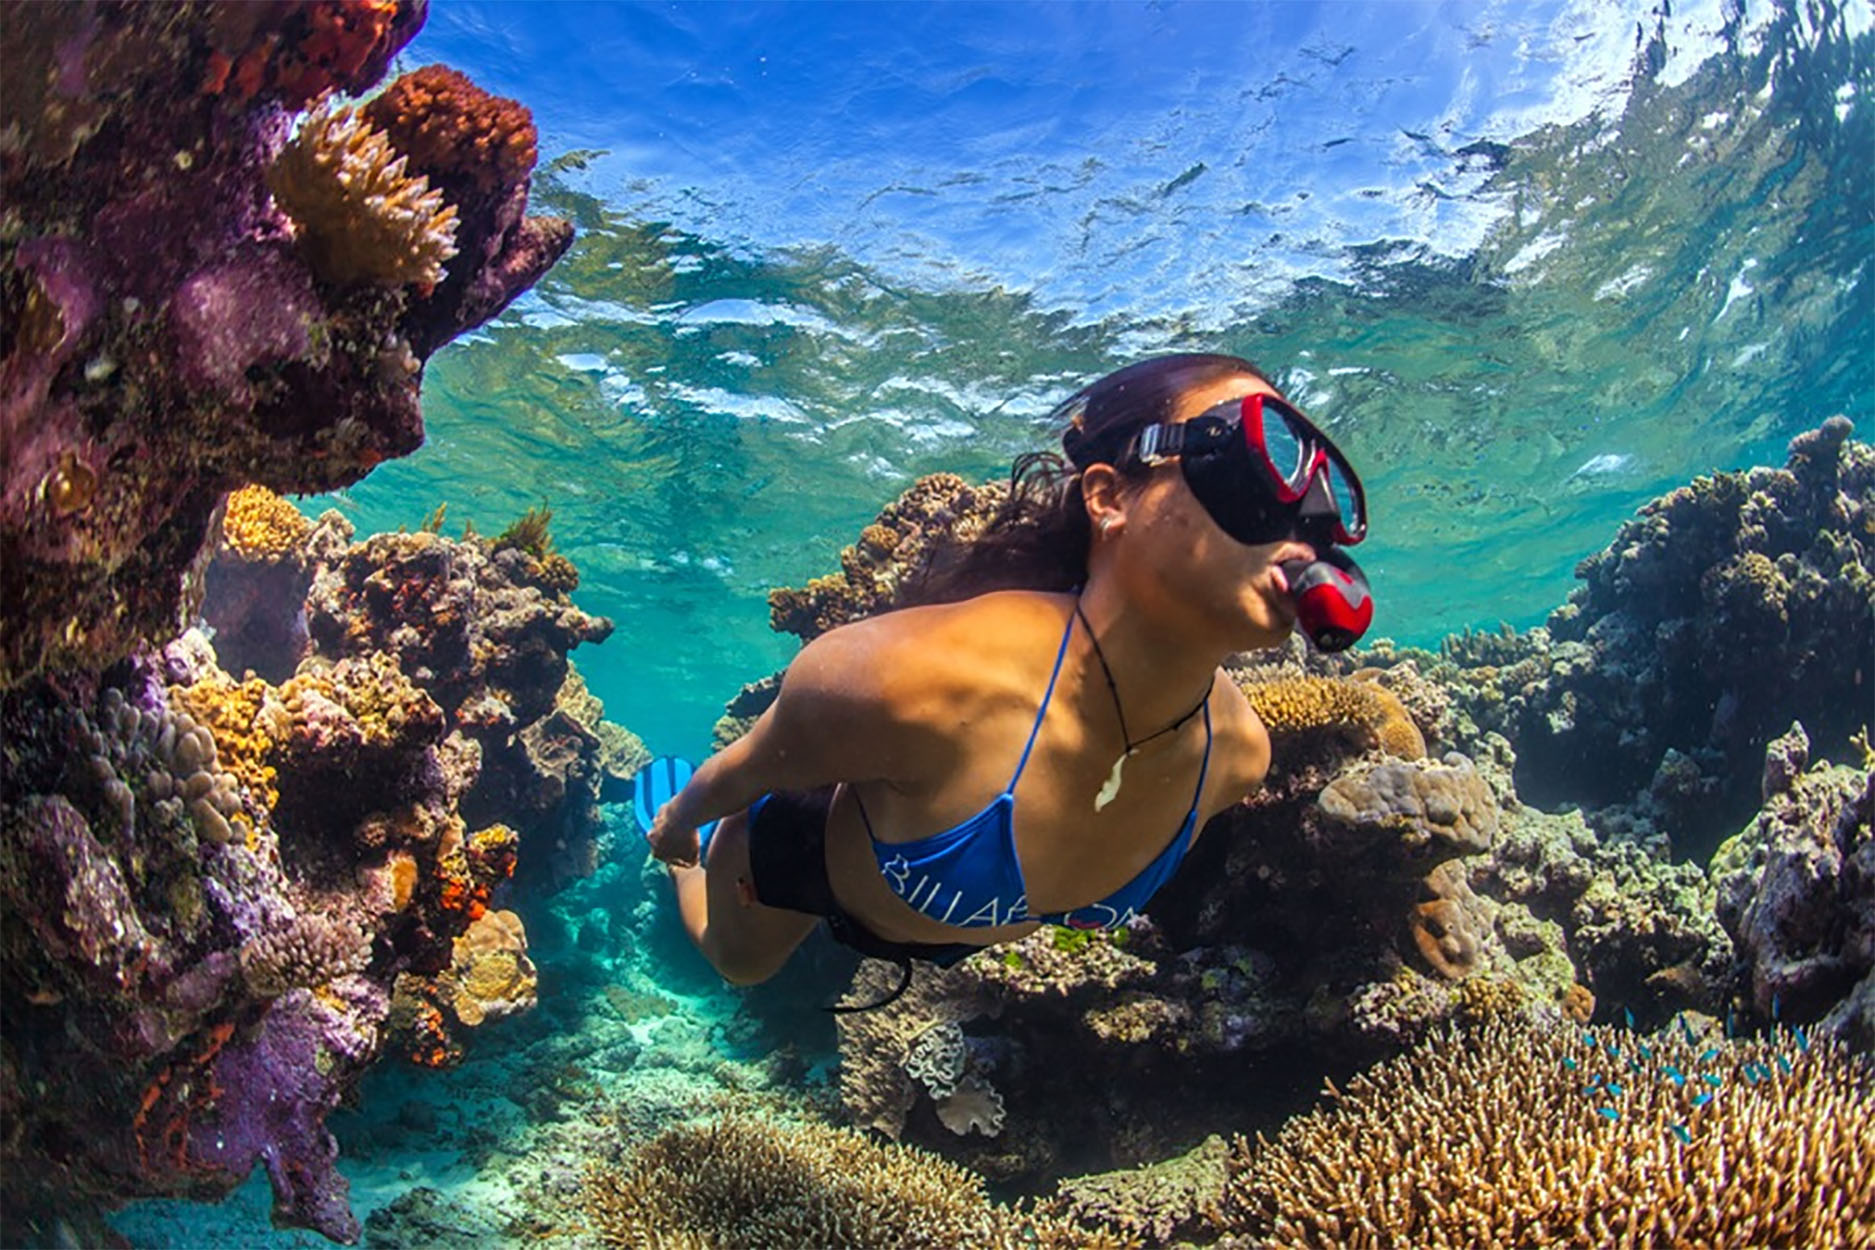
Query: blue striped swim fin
pixel 656 784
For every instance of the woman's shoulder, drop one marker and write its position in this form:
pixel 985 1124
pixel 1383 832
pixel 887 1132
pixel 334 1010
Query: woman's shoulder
pixel 972 627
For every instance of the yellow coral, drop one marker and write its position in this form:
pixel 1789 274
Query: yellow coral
pixel 361 215
pixel 260 525
pixel 239 717
pixel 1300 704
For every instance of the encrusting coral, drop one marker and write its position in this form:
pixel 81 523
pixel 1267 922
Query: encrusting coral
pixel 260 525
pixel 1509 1135
pixel 1298 705
pixel 739 1182
pixel 360 216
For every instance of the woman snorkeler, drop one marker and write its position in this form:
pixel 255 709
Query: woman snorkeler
pixel 1042 740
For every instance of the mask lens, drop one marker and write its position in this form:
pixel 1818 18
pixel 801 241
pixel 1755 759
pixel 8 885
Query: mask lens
pixel 1348 501
pixel 1281 441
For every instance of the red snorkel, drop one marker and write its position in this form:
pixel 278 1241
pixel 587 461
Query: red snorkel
pixel 1334 606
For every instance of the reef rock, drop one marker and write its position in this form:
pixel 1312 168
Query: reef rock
pixel 174 331
pixel 1725 610
pixel 1796 890
pixel 208 890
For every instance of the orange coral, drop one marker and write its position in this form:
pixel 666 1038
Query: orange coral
pixel 301 50
pixel 260 525
pixel 450 128
pixel 243 720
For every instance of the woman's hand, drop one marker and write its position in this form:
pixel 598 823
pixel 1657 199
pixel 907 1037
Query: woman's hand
pixel 675 844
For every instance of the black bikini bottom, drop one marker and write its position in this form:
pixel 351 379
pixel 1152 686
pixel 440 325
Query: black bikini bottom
pixel 788 869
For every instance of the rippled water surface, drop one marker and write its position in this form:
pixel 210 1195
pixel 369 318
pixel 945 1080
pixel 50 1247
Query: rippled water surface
pixel 1532 263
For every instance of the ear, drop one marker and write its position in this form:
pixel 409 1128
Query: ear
pixel 1103 494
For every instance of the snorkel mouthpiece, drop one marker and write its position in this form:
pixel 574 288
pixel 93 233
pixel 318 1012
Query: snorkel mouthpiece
pixel 1334 606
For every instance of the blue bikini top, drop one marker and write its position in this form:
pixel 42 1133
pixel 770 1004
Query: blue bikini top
pixel 969 876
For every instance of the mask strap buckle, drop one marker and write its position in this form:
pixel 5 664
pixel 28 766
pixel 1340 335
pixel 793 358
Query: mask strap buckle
pixel 1158 444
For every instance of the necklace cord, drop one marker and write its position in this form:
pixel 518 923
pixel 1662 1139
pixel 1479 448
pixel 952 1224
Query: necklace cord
pixel 1114 690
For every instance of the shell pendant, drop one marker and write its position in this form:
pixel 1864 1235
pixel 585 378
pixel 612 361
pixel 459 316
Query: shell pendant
pixel 1111 789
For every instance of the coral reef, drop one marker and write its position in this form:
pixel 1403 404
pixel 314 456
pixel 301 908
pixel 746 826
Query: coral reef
pixel 254 589
pixel 1509 1135
pixel 207 891
pixel 741 1181
pixel 167 338
pixel 1180 1199
pixel 485 632
pixel 1796 891
pixel 489 977
pixel 936 511
pixel 1724 611
pixel 1365 709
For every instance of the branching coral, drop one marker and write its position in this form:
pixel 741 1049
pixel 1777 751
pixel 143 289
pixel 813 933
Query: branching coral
pixel 743 1182
pixel 362 217
pixel 1311 704
pixel 1508 1135
pixel 260 525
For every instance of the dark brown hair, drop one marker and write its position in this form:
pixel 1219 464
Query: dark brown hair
pixel 1039 537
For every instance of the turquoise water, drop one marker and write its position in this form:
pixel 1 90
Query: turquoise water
pixel 1533 264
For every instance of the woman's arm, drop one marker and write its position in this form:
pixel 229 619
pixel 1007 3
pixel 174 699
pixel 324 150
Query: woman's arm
pixel 842 715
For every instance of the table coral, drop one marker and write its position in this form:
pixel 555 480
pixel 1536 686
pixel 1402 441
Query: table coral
pixel 1508 1135
pixel 173 342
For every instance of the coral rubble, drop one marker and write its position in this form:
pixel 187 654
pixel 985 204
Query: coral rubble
pixel 173 331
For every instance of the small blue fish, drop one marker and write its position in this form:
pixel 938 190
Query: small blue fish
pixel 1569 1063
pixel 1751 1074
pixel 1702 1100
pixel 1608 1112
pixel 1588 1039
pixel 1645 1053
pixel 1614 1050
pixel 1679 1077
pixel 1686 1030
pixel 1803 1042
pixel 1783 1064
pixel 1776 1006
pixel 1728 1021
pixel 1628 1015
pixel 1613 1088
pixel 1710 1079
pixel 1710 1055
pixel 1679 1131
pixel 1634 1065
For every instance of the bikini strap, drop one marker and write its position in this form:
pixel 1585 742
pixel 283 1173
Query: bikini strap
pixel 1047 696
pixel 1204 766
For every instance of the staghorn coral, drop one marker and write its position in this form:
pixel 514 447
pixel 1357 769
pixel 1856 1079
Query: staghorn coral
pixel 260 525
pixel 174 344
pixel 738 1181
pixel 1302 705
pixel 937 510
pixel 359 216
pixel 1491 1137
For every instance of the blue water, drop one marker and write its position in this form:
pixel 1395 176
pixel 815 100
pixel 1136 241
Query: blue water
pixel 1532 263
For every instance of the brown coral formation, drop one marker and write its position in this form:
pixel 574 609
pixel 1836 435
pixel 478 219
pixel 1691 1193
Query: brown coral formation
pixel 935 512
pixel 1300 705
pixel 359 215
pixel 1489 1137
pixel 743 1182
